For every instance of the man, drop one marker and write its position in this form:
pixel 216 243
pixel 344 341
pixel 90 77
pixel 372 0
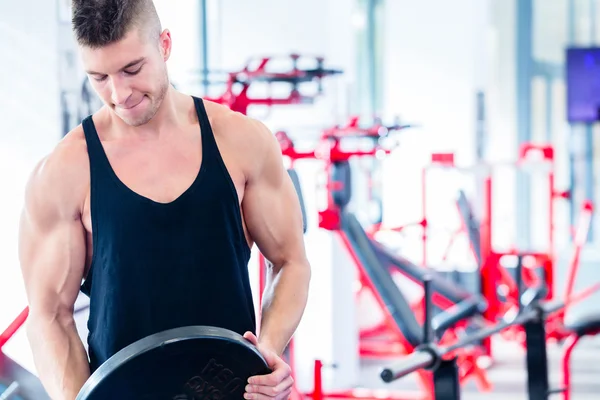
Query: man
pixel 154 202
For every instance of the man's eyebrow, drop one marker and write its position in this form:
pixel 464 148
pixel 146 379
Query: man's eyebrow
pixel 131 64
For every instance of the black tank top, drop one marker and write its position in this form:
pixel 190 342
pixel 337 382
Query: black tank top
pixel 159 266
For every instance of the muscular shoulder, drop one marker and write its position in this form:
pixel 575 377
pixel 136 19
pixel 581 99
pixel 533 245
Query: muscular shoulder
pixel 244 138
pixel 60 181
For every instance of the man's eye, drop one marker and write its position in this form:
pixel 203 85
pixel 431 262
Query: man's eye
pixel 101 79
pixel 133 72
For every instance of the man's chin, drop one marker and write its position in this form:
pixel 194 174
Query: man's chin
pixel 140 120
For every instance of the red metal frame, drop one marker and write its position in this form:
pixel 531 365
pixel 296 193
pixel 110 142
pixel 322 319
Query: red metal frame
pixel 389 342
pixel 579 240
pixel 555 329
pixel 569 345
pixel 492 274
pixel 319 393
pixel 238 84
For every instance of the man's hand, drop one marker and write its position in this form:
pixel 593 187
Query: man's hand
pixel 276 385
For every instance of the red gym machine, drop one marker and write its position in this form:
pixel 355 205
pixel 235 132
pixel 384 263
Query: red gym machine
pixel 400 332
pixel 535 270
pixel 238 83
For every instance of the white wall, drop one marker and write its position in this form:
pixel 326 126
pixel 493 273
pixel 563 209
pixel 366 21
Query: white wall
pixel 29 124
pixel 437 56
pixel 29 127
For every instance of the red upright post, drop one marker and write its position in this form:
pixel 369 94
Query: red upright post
pixel 488 269
pixel 581 235
pixel 318 382
pixel 424 211
pixel 549 266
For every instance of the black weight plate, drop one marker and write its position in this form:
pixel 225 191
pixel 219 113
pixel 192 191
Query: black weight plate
pixel 195 362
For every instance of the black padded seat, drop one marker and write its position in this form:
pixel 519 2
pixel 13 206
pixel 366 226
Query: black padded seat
pixel 396 303
pixel 441 284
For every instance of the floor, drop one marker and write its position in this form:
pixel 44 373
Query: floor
pixel 508 374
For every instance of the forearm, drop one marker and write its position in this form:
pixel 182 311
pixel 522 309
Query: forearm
pixel 284 302
pixel 59 356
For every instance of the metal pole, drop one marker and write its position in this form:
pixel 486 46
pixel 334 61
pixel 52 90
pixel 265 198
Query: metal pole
pixel 572 129
pixel 592 22
pixel 524 39
pixel 428 336
pixel 370 51
pixel 549 113
pixel 407 365
pixel 589 169
pixel 537 360
pixel 446 382
pixel 204 44
pixel 589 129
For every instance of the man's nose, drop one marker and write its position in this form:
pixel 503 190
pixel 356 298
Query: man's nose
pixel 121 92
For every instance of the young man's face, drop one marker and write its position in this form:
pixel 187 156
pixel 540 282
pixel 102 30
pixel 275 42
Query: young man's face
pixel 130 76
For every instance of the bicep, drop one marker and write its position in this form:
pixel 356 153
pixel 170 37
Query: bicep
pixel 52 252
pixel 272 212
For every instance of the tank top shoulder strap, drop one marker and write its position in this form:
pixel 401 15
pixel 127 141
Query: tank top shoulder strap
pixel 209 143
pixel 213 160
pixel 97 156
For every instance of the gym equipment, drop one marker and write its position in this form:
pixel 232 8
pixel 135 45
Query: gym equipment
pixel 338 167
pixel 440 360
pixel 16 383
pixel 296 181
pixel 523 277
pixel 10 392
pixel 533 317
pixel 483 250
pixel 212 353
pixel 182 363
pixel 447 295
pixel 238 83
pixel 375 274
pixel 371 258
pixel 584 325
pixel 401 321
pixel 499 288
pixel 19 384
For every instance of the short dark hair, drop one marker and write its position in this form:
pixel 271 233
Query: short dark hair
pixel 97 23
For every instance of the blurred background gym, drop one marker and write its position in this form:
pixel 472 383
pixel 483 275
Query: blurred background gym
pixel 465 142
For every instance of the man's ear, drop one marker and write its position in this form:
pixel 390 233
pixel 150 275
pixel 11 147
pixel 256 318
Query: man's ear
pixel 165 44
